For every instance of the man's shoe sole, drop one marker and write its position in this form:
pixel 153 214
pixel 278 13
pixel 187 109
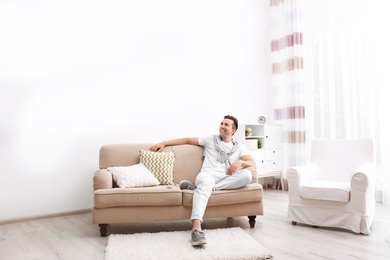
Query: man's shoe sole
pixel 199 243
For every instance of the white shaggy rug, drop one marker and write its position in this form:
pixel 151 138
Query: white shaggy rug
pixel 225 243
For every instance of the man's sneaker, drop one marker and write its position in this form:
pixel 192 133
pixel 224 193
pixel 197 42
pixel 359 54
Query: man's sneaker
pixel 198 238
pixel 186 185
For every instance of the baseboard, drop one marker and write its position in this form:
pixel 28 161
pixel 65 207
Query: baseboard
pixel 62 214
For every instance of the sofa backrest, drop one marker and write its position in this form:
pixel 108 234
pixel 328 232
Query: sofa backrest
pixel 188 158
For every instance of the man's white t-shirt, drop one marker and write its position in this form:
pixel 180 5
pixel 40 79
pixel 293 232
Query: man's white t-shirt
pixel 211 153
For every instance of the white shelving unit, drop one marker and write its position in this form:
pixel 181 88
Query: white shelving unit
pixel 265 143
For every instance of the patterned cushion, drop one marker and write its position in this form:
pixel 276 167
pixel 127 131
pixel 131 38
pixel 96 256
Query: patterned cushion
pixel 160 164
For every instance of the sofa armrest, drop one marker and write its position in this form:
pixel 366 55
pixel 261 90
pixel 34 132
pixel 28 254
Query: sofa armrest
pixel 254 174
pixel 102 180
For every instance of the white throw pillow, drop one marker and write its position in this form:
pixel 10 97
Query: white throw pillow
pixel 133 176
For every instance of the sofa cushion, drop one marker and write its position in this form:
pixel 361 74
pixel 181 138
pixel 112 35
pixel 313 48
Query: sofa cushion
pixel 160 164
pixel 326 190
pixel 251 193
pixel 146 196
pixel 133 176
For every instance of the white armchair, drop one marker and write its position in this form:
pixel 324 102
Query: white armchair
pixel 337 187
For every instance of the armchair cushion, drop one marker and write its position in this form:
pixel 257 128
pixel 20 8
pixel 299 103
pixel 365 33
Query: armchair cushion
pixel 326 190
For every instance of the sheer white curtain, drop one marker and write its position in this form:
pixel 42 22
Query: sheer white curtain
pixel 346 61
pixel 287 77
pixel 344 78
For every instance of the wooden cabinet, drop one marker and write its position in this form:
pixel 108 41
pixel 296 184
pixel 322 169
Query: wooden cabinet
pixel 265 143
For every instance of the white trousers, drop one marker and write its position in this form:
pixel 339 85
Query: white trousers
pixel 210 180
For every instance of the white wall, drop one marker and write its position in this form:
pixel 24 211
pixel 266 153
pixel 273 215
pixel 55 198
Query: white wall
pixel 77 74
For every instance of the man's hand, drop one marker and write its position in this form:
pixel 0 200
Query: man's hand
pixel 234 167
pixel 157 147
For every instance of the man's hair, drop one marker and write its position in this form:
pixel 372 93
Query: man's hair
pixel 235 121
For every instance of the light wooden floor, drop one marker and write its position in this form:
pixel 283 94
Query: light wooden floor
pixel 74 237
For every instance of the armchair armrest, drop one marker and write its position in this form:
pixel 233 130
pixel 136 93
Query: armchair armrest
pixel 302 173
pixel 363 182
pixel 298 175
pixel 102 180
pixel 368 170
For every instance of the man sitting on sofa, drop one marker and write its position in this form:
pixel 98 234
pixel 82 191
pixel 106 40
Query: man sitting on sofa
pixel 223 167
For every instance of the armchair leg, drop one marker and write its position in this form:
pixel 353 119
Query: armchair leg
pixel 252 221
pixel 103 229
pixel 293 223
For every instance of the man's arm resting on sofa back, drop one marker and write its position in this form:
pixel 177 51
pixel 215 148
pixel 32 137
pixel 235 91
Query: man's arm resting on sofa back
pixel 160 146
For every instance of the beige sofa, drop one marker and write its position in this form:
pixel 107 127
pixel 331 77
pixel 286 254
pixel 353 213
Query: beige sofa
pixel 164 202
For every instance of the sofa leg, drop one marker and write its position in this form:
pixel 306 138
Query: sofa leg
pixel 252 221
pixel 103 229
pixel 294 223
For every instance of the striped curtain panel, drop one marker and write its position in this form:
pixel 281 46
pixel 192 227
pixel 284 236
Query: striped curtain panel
pixel 287 78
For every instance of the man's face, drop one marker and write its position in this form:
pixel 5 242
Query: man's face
pixel 226 128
